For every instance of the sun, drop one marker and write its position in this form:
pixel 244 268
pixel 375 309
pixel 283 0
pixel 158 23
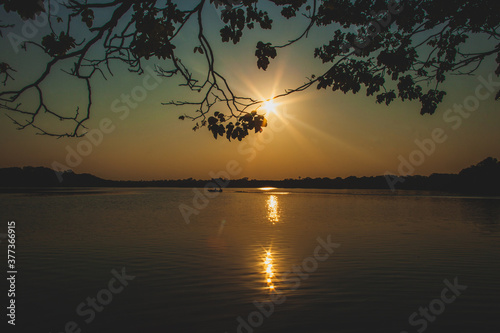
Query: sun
pixel 269 106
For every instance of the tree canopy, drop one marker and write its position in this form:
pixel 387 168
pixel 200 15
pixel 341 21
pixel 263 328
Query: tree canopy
pixel 390 50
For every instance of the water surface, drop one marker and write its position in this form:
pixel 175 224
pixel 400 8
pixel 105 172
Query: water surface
pixel 394 253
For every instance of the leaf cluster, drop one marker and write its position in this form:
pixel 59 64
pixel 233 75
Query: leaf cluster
pixel 219 125
pixel 390 50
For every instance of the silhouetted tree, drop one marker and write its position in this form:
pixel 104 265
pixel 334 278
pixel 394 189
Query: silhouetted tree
pixel 392 50
pixel 483 177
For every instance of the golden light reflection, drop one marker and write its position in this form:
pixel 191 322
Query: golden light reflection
pixel 268 270
pixel 267 188
pixel 273 209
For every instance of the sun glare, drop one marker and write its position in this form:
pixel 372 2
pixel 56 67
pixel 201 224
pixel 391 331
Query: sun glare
pixel 269 106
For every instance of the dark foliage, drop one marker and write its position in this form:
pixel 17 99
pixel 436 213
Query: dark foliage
pixel 401 51
pixel 480 179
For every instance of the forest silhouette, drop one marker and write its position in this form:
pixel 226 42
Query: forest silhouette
pixel 482 179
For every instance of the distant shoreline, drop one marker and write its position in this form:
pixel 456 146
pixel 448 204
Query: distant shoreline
pixel 481 179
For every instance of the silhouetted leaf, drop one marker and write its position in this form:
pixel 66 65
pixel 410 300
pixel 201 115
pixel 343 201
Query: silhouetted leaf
pixel 288 12
pixel 263 53
pixel 27 9
pixel 88 17
pixel 212 121
pixel 57 46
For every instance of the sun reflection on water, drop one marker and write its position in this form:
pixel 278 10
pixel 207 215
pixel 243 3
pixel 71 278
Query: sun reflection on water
pixel 268 188
pixel 269 270
pixel 273 209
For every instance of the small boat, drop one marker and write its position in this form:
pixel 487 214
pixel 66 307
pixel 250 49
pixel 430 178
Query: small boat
pixel 214 190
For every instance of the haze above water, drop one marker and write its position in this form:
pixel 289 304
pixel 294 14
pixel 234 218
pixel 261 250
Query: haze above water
pixel 394 253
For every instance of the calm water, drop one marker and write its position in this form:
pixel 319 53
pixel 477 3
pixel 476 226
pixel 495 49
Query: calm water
pixel 392 255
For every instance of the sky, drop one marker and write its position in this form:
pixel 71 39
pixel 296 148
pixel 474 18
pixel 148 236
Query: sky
pixel 310 134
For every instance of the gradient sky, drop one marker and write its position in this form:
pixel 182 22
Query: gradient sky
pixel 311 134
